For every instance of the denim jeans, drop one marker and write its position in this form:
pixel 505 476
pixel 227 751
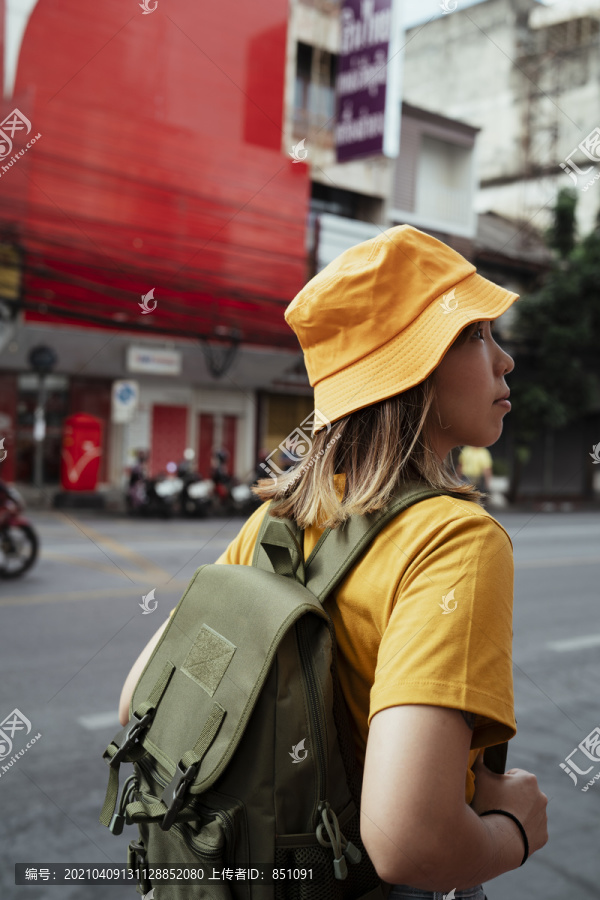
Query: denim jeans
pixel 404 892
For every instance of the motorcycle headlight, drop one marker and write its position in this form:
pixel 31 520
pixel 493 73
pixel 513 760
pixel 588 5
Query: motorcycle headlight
pixel 240 492
pixel 199 490
pixel 169 487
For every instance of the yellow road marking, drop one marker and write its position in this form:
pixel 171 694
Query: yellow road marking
pixel 60 597
pixel 102 540
pixel 91 564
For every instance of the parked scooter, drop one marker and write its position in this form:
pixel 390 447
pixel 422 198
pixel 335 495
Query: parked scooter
pixel 18 540
pixel 222 501
pixel 196 498
pixel 136 497
pixel 152 496
pixel 164 492
pixel 244 501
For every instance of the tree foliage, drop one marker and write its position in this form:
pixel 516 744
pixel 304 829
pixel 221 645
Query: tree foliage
pixel 557 333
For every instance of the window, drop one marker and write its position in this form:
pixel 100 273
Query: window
pixel 314 94
pixel 444 182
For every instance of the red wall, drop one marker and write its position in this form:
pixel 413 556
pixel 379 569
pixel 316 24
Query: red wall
pixel 169 436
pixel 8 416
pixel 206 430
pixel 159 165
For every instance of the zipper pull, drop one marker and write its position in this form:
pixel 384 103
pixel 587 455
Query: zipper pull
pixel 351 852
pixel 331 826
pixel 118 818
pixel 340 868
pixel 116 823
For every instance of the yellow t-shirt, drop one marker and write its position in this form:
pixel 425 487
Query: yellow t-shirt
pixel 474 461
pixel 399 642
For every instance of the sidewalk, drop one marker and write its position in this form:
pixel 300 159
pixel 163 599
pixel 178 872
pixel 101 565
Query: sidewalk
pixel 111 500
pixel 107 499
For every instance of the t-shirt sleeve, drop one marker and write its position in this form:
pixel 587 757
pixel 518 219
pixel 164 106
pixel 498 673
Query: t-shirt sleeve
pixel 448 641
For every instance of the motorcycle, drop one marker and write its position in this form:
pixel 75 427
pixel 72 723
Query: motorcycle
pixel 164 492
pixel 154 496
pixel 197 497
pixel 244 501
pixel 19 542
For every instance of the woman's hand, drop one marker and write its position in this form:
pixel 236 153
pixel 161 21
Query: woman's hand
pixel 516 792
pixel 134 675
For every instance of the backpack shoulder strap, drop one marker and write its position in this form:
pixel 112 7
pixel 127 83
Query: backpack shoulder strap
pixel 290 537
pixel 330 562
pixel 337 550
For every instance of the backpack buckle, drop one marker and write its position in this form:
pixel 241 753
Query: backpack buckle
pixel 176 793
pixel 131 736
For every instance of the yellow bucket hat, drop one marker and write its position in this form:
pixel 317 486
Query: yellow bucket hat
pixel 379 318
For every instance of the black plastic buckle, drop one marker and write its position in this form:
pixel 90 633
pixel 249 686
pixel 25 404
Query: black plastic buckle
pixel 174 795
pixel 131 737
pixel 136 859
pixel 118 819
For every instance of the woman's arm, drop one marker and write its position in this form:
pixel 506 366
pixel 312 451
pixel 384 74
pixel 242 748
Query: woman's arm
pixel 136 671
pixel 415 824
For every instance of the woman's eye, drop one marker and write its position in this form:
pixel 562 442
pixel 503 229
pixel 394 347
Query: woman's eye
pixel 478 332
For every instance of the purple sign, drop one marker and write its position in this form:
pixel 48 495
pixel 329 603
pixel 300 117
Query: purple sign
pixel 362 78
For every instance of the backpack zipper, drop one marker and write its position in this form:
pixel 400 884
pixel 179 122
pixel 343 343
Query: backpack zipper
pixel 310 682
pixel 222 815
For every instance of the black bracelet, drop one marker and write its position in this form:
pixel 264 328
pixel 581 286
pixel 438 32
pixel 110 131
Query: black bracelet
pixel 503 812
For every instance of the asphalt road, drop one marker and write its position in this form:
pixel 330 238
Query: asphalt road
pixel 73 626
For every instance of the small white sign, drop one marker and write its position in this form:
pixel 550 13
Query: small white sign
pixel 39 424
pixel 155 362
pixel 125 398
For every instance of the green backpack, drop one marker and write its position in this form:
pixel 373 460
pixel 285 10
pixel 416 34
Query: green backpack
pixel 239 734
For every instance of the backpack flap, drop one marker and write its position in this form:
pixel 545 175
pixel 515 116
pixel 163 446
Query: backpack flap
pixel 214 658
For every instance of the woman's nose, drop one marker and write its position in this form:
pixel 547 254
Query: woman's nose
pixel 507 362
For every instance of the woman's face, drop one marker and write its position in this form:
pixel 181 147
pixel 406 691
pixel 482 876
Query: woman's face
pixel 470 392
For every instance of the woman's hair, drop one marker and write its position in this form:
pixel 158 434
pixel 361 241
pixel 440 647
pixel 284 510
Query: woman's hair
pixel 378 448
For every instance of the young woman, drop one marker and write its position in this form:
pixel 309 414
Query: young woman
pixel 398 345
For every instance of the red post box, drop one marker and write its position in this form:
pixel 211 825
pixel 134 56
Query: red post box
pixel 81 451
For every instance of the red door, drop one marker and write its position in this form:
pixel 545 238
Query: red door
pixel 169 436
pixel 8 418
pixel 229 425
pixel 206 434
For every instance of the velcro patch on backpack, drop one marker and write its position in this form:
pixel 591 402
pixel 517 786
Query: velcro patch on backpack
pixel 208 659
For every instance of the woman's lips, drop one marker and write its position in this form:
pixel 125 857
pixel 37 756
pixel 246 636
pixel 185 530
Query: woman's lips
pixel 505 404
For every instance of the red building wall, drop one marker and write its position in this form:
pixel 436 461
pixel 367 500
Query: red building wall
pixel 159 165
pixel 169 436
pixel 8 426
